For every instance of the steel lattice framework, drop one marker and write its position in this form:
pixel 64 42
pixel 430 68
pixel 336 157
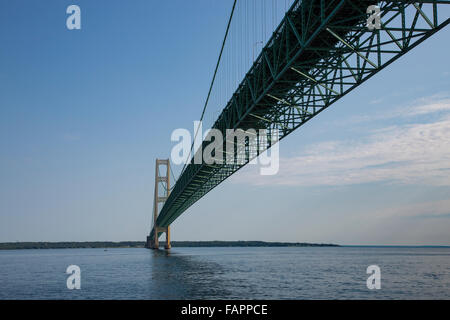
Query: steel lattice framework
pixel 320 52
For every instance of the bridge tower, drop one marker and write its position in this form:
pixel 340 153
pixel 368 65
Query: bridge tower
pixel 160 198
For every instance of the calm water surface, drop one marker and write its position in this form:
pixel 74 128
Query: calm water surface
pixel 227 273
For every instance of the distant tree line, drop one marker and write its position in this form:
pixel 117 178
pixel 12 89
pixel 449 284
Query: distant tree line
pixel 247 244
pixel 141 244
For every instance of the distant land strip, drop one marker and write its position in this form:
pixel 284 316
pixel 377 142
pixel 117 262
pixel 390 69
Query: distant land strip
pixel 140 244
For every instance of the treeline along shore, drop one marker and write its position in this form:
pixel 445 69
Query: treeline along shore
pixel 140 244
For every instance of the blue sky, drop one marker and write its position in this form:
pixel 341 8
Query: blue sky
pixel 84 114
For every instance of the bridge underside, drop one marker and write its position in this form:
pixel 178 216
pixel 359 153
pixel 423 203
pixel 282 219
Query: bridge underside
pixel 320 52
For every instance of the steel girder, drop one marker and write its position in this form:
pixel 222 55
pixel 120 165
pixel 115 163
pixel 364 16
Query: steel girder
pixel 320 52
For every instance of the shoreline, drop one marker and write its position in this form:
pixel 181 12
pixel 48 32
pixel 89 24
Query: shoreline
pixel 4 246
pixel 141 244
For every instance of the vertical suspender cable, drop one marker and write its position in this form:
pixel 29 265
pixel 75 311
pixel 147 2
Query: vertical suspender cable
pixel 213 79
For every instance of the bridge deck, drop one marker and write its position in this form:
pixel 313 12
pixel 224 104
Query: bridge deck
pixel 320 51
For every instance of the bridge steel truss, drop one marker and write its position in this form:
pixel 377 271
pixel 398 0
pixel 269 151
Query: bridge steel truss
pixel 321 51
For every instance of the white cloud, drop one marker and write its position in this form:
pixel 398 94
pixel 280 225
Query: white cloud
pixel 424 106
pixel 443 105
pixel 414 153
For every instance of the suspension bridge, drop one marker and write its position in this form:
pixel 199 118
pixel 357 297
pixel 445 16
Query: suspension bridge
pixel 319 52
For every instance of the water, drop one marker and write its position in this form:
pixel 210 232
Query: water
pixel 227 273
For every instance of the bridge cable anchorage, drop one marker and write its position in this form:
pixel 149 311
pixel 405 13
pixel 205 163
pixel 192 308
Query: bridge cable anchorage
pixel 212 82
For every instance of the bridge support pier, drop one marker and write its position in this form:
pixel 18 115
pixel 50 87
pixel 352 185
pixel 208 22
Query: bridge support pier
pixel 160 198
pixel 167 246
pixel 153 239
